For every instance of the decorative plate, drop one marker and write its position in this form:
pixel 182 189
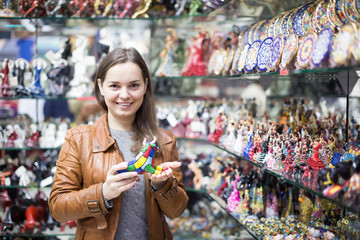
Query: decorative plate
pixel 350 12
pixel 246 34
pixel 306 46
pixel 212 61
pixel 356 47
pixel 320 18
pixel 229 59
pixel 284 24
pixel 306 21
pixel 333 17
pixel 339 11
pixel 236 59
pixel 271 29
pixel 291 19
pixel 251 33
pixel 277 48
pixel 264 54
pixel 220 61
pixel 251 58
pixel 262 30
pixel 291 47
pixel 342 44
pixel 242 58
pixel 357 7
pixel 322 46
pixel 298 19
pixel 278 25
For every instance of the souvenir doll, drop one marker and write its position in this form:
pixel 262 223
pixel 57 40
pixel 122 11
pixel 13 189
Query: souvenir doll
pixel 33 139
pixel 306 207
pixel 289 159
pixel 256 147
pixel 33 8
pixel 10 136
pixel 230 138
pixel 21 65
pixel 195 65
pixel 102 8
pixel 249 143
pixel 314 162
pixel 36 90
pixel 168 66
pixel 55 7
pixel 7 10
pixel 240 141
pixel 271 209
pixel 82 8
pixel 125 8
pixel 5 89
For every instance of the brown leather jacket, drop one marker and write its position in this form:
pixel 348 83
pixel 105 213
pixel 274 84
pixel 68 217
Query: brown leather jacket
pixel 84 160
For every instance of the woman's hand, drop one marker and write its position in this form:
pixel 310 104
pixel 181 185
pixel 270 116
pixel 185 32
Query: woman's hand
pixel 116 183
pixel 159 180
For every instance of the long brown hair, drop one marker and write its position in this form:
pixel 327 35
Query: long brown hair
pixel 145 124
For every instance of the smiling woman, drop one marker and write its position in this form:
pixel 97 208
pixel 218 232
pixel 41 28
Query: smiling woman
pixel 90 184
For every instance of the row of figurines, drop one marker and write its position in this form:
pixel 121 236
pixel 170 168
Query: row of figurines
pixel 43 79
pixel 108 9
pixel 260 201
pixel 49 134
pixel 280 52
pixel 28 214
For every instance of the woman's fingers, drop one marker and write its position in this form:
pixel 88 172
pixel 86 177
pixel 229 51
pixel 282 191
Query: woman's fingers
pixel 171 164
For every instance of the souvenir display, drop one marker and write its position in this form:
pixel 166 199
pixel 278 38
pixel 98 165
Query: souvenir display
pixel 322 47
pixel 264 54
pixel 342 45
pixel 123 8
pixel 306 21
pixel 251 57
pixel 305 51
pixel 320 18
pixel 102 8
pixel 276 51
pixel 289 54
pixel 6 11
pixel 332 12
pixel 298 20
pixel 351 13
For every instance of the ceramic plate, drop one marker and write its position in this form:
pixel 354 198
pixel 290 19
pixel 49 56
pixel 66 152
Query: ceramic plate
pixel 342 44
pixel 320 18
pixel 251 58
pixel 322 46
pixel 306 25
pixel 229 60
pixel 291 47
pixel 356 48
pixel 242 58
pixel 212 61
pixel 264 54
pixel 350 12
pixel 220 61
pixel 306 46
pixel 236 59
pixel 298 19
pixel 276 51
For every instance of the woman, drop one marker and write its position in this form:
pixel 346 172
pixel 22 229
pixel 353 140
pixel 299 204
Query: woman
pixel 87 185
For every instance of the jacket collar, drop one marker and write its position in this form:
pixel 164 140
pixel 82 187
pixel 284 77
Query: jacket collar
pixel 102 139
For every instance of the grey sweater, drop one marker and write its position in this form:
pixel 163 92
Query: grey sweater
pixel 133 219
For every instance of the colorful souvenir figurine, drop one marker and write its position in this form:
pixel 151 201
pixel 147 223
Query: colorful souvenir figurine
pixel 21 65
pixel 36 89
pixel 5 89
pixel 125 8
pixel 145 161
pixel 82 7
pixel 33 139
pixel 168 66
pixel 33 8
pixel 102 8
pixel 53 7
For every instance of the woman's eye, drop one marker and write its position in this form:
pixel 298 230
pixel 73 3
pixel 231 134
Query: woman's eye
pixel 113 86
pixel 135 85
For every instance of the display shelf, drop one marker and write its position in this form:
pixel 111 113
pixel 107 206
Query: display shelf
pixel 222 203
pixel 29 149
pixel 28 187
pixel 9 236
pixel 309 187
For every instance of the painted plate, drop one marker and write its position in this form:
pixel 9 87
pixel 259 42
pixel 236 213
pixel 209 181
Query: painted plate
pixel 320 18
pixel 229 60
pixel 342 44
pixel 322 46
pixel 242 58
pixel 251 58
pixel 306 46
pixel 276 51
pixel 306 21
pixel 264 54
pixel 298 20
pixel 236 59
pixel 350 12
pixel 339 11
pixel 291 19
pixel 291 48
pixel 356 48
pixel 284 24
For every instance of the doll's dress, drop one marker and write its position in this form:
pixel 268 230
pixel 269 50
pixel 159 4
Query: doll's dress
pixel 271 209
pixel 269 158
pixel 239 143
pixel 277 159
pixel 248 146
pixel 195 66
pixel 230 140
pixel 234 198
pixel 36 90
pixel 5 86
pixel 315 161
pixel 168 67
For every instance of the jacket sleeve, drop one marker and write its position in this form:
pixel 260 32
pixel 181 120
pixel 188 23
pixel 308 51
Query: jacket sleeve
pixel 172 198
pixel 68 200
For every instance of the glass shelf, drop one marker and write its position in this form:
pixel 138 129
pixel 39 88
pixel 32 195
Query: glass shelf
pixel 11 236
pixel 307 187
pixel 29 187
pixel 29 149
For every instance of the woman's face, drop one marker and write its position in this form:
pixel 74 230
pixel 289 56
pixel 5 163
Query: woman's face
pixel 123 90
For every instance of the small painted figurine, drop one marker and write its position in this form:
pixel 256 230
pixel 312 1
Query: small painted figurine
pixel 5 86
pixel 36 89
pixel 21 64
pixel 145 161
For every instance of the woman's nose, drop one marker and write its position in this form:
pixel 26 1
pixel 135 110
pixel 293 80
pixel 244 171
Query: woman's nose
pixel 124 93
